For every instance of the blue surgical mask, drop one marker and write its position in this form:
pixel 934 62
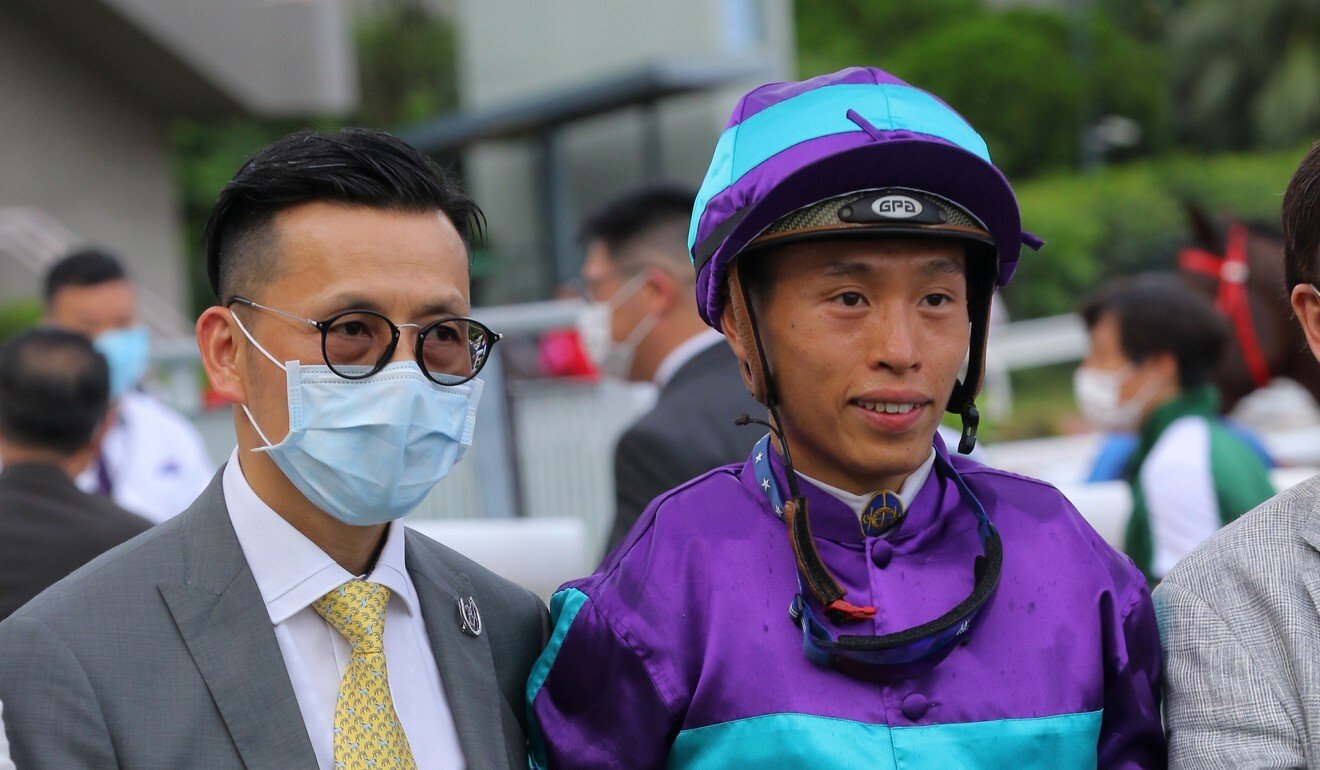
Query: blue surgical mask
pixel 128 352
pixel 369 451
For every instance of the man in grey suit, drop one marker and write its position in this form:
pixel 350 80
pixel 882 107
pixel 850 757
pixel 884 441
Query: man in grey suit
pixel 1240 617
pixel 287 619
pixel 637 268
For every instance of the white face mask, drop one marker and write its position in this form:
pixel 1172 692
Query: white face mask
pixel 1098 393
pixel 614 359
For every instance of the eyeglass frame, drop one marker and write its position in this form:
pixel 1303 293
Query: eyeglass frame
pixel 323 326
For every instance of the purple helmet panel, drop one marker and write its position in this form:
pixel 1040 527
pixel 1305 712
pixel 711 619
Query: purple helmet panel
pixel 773 93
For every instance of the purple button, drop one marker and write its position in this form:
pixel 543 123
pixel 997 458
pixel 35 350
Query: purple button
pixel 881 553
pixel 915 706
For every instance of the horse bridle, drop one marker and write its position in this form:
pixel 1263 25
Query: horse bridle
pixel 1231 271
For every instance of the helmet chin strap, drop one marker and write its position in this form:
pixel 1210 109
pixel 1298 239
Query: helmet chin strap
pixel 962 401
pixel 822 584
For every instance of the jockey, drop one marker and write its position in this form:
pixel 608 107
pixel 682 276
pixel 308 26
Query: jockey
pixel 926 611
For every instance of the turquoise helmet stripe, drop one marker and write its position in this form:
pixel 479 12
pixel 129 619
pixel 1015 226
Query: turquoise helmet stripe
pixel 823 112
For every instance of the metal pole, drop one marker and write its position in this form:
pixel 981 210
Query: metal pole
pixel 653 146
pixel 557 203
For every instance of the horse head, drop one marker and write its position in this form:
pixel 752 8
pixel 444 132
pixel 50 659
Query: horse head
pixel 1239 266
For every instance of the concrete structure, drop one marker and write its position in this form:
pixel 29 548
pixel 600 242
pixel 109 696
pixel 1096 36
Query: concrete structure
pixel 88 89
pixel 518 50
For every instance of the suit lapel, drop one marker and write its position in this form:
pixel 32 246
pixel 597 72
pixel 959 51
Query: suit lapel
pixel 1311 575
pixel 221 616
pixel 467 669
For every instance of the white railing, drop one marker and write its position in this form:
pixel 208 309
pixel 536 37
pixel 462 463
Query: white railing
pixel 34 240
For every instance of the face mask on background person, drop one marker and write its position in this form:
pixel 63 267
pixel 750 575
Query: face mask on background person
pixel 369 451
pixel 614 359
pixel 1099 396
pixel 128 353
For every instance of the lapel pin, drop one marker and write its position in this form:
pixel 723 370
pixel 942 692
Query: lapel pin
pixel 469 617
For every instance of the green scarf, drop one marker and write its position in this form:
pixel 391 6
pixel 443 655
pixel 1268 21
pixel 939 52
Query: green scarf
pixel 1240 477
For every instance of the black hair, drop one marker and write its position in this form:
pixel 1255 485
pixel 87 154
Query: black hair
pixel 54 390
pixel 1301 223
pixel 352 166
pixel 637 214
pixel 1160 314
pixel 84 267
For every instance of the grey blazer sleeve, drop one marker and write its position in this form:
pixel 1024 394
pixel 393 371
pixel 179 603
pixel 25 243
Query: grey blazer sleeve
pixel 1222 709
pixel 51 712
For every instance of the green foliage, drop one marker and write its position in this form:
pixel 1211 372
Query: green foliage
pixel 1130 218
pixel 1028 79
pixel 406 65
pixel 833 34
pixel 406 72
pixel 1245 74
pixel 18 316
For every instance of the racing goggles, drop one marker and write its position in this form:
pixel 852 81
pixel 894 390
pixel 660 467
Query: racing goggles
pixel 901 654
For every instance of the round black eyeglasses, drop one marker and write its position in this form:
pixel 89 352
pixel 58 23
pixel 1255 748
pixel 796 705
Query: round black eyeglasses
pixel 359 343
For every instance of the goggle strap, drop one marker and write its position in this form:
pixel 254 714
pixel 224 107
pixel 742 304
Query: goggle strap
pixel 812 569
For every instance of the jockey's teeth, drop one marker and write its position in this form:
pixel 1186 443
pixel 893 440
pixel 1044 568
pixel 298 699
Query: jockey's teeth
pixel 879 406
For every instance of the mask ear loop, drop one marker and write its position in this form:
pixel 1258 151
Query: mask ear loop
pixel 244 407
pixel 253 340
pixel 824 587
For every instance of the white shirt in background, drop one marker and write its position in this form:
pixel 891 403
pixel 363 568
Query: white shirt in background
pixel 5 762
pixel 686 351
pixel 292 573
pixel 155 459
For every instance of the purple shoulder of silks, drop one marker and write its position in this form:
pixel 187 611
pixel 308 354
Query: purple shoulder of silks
pixel 679 650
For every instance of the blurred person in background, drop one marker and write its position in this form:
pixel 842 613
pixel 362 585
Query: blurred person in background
pixel 54 397
pixel 1238 617
pixel 288 618
pixel 645 328
pixel 152 460
pixel 1154 346
pixel 926 610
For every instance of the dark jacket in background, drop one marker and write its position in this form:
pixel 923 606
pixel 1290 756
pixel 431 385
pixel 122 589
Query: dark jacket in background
pixel 689 431
pixel 49 528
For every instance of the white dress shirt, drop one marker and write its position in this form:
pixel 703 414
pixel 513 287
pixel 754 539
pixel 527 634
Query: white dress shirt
pixel 292 573
pixel 686 351
pixel 907 493
pixel 5 762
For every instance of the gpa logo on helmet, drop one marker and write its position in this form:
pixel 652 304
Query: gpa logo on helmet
pixel 896 207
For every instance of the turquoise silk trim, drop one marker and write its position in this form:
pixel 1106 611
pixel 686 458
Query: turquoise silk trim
pixel 804 740
pixel 564 608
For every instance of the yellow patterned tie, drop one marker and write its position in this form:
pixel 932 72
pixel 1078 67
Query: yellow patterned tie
pixel 367 729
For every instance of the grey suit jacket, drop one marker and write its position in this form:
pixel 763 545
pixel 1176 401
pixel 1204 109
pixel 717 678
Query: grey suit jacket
pixel 688 432
pixel 160 654
pixel 1240 624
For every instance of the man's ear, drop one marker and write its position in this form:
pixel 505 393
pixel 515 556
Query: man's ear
pixel 1306 305
pixel 217 341
pixel 732 331
pixel 1165 365
pixel 665 288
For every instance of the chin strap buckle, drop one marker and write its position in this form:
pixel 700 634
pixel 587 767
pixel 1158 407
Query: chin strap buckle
pixel 971 420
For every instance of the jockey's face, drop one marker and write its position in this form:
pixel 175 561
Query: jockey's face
pixel 865 340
